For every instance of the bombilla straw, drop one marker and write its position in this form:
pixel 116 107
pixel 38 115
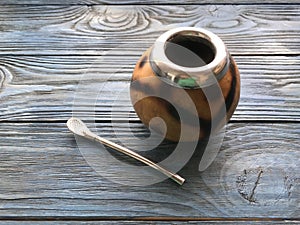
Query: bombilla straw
pixel 79 128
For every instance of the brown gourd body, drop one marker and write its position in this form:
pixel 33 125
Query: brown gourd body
pixel 147 106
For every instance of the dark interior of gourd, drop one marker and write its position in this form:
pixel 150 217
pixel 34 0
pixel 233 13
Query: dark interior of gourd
pixel 189 50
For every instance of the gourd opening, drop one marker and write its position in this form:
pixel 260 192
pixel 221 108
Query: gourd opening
pixel 189 50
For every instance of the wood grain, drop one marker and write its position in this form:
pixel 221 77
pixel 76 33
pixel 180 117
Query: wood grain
pixel 48 48
pixel 157 221
pixel 82 30
pixel 43 174
pixel 43 88
pixel 140 2
pixel 140 221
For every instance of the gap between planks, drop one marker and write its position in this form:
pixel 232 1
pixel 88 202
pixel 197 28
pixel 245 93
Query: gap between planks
pixel 254 121
pixel 134 55
pixel 136 219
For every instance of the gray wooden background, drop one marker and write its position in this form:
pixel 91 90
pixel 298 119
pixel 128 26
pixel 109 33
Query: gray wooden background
pixel 47 48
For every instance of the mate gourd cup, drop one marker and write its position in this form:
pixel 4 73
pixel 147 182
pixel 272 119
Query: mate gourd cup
pixel 191 59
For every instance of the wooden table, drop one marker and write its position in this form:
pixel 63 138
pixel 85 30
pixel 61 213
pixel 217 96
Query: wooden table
pixel 47 48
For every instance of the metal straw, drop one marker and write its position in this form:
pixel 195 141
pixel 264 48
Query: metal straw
pixel 78 127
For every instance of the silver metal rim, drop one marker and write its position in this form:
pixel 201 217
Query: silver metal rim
pixel 203 75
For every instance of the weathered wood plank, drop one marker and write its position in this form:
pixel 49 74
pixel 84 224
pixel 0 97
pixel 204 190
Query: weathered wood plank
pixel 81 30
pixel 43 174
pixel 134 222
pixel 140 2
pixel 43 88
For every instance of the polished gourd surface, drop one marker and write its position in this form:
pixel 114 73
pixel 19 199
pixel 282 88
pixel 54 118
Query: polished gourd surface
pixel 146 86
